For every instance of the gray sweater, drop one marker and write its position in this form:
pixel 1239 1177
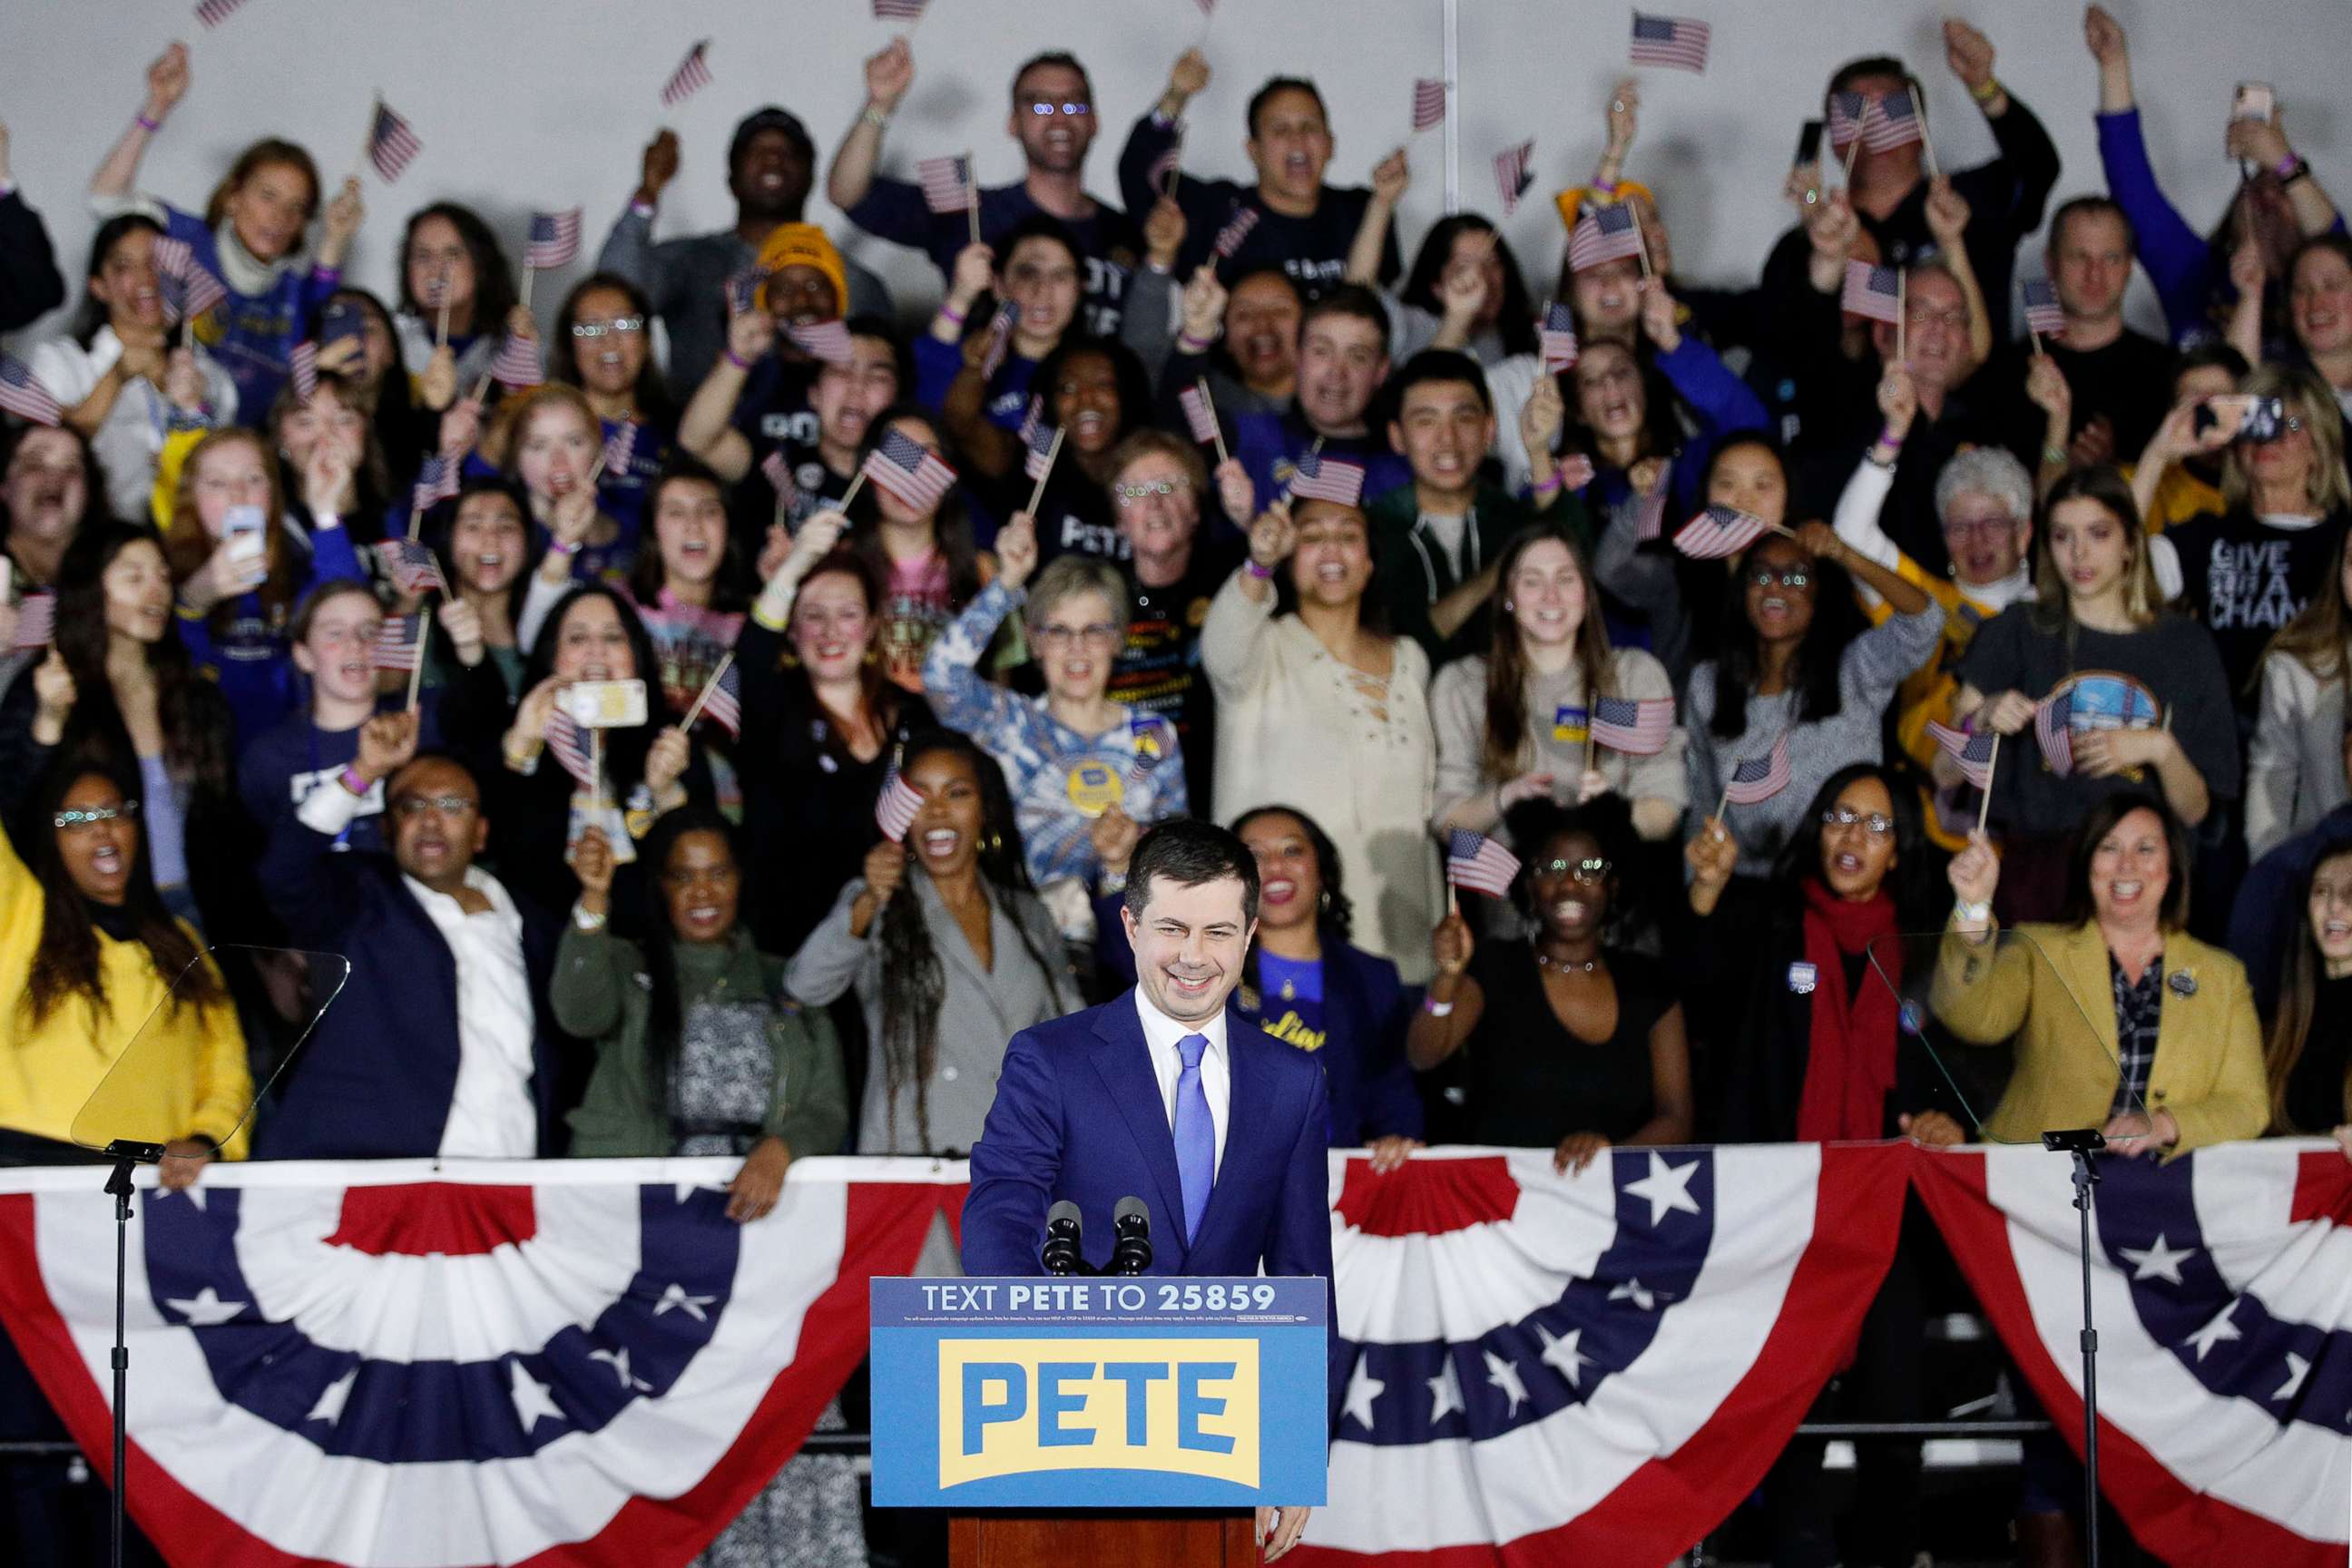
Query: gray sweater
pixel 1873 665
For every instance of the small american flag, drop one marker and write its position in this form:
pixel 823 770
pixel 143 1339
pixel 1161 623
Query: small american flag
pixel 621 448
pixel 392 145
pixel 413 567
pixel 1000 339
pixel 518 364
pixel 213 12
pixel 188 286
pixel 743 289
pixel 1896 123
pixel 436 480
pixel 400 642
pixel 1720 531
pixel 780 479
pixel 693 74
pixel 1513 173
pixel 895 808
pixel 1669 41
pixel 1318 478
pixel 1556 335
pixel 1756 779
pixel 1873 292
pixel 1973 752
pixel 1849 115
pixel 1039 460
pixel 37 621
pixel 303 366
pixel 899 10
pixel 1604 232
pixel 1033 421
pixel 725 702
pixel 827 342
pixel 1428 102
pixel 1199 413
pixel 1237 228
pixel 568 745
pixel 554 239
pixel 1650 521
pixel 22 394
pixel 917 477
pixel 946 182
pixel 2054 720
pixel 1476 862
pixel 1637 727
pixel 2042 312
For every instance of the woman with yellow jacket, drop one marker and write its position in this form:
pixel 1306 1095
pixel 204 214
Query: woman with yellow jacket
pixel 89 961
pixel 2124 1022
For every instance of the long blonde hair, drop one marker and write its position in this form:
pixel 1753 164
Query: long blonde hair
pixel 2311 400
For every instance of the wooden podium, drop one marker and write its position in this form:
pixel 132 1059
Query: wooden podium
pixel 1170 1539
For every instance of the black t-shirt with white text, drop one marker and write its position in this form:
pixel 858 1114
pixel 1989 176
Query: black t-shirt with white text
pixel 2246 576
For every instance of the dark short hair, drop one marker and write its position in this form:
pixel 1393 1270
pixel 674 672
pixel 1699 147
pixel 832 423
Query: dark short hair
pixel 1062 57
pixel 1284 84
pixel 1852 71
pixel 771 117
pixel 2094 206
pixel 1348 300
pixel 450 758
pixel 1189 852
pixel 2207 355
pixel 2100 821
pixel 1431 366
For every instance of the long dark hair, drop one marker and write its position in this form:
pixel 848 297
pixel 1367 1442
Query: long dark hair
pixel 1812 668
pixel 667 1020
pixel 1915 880
pixel 625 749
pixel 494 284
pixel 950 525
pixel 914 985
pixel 881 696
pixel 1515 323
pixel 2100 821
pixel 1335 916
pixel 731 589
pixel 95 507
pixel 2298 1000
pixel 94 315
pixel 563 358
pixel 66 960
pixel 196 745
pixel 1506 660
pixel 370 476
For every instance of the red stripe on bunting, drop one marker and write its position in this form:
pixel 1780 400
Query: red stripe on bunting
pixel 2322 1188
pixel 1442 1195
pixel 444 1217
pixel 2185 1528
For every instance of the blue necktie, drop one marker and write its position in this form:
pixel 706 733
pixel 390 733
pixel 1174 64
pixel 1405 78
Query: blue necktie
pixel 1196 1135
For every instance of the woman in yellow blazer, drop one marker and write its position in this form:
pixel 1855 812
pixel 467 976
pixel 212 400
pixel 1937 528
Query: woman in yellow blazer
pixel 88 953
pixel 2155 1041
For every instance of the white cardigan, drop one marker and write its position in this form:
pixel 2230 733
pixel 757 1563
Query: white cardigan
pixel 1293 729
pixel 2295 765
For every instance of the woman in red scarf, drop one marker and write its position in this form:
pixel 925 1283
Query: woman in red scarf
pixel 1819 1054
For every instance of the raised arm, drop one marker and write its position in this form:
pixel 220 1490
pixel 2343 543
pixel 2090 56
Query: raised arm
pixel 889 72
pixel 1391 176
pixel 167 83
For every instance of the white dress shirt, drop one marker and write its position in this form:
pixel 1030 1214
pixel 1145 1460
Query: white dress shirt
pixel 1161 1035
pixel 491 1113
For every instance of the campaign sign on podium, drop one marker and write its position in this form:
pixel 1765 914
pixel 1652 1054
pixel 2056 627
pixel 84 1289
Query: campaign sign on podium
pixel 1118 1393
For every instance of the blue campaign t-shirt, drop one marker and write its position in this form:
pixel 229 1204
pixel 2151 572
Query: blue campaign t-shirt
pixel 1290 1008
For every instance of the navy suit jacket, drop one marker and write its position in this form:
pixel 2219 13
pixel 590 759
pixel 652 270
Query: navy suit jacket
pixel 1078 1115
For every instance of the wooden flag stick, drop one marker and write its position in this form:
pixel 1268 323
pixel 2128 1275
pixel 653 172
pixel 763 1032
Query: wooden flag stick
pixel 596 773
pixel 1724 805
pixel 1854 149
pixel 441 331
pixel 686 725
pixel 1201 383
pixel 1992 763
pixel 424 640
pixel 528 272
pixel 1037 491
pixel 481 387
pixel 1901 311
pixel 416 516
pixel 1926 146
pixel 1648 274
pixel 972 193
pixel 855 484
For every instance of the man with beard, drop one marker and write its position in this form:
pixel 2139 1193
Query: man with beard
pixel 771 164
pixel 436 1045
pixel 1053 119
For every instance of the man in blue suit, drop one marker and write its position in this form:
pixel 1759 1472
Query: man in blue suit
pixel 1166 1095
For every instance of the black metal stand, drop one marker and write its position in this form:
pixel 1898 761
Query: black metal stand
pixel 125 1156
pixel 2082 1143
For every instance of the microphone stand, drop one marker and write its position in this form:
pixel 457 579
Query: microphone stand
pixel 2082 1143
pixel 125 1153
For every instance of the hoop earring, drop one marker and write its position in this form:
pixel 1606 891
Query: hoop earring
pixel 995 842
pixel 789 659
pixel 1323 901
pixel 873 656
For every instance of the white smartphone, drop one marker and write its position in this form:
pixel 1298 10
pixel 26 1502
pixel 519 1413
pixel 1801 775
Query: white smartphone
pixel 245 530
pixel 2256 100
pixel 605 704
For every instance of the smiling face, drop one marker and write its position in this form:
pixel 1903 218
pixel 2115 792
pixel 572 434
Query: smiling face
pixel 772 178
pixel 1781 584
pixel 592 645
pixel 1291 145
pixel 438 826
pixel 1085 401
pixel 2330 909
pixel 1572 882
pixel 690 529
pixel 270 207
pixel 1546 595
pixel 1053 119
pixel 1985 542
pixel 440 269
pixel 1935 331
pixel 1077 636
pixel 2319 301
pixel 138 590
pixel 832 626
pixel 1289 880
pixel 1333 562
pixel 1610 398
pixel 610 360
pixel 1858 840
pixel 802 295
pixel 945 834
pixel 125 283
pixel 1189 946
pixel 2090 547
pixel 846 398
pixel 1041 278
pixel 229 473
pixel 45 489
pixel 97 855
pixel 1158 513
pixel 1342 360
pixel 1262 327
pixel 487 542
pixel 557 447
pixel 2130 870
pixel 1443 429
pixel 1750 478
pixel 337 651
pixel 701 884
pixel 1607 299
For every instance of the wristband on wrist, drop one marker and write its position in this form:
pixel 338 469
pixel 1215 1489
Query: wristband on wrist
pixel 2053 453
pixel 1435 1008
pixel 1187 343
pixel 1889 436
pixel 949 314
pixel 356 782
pixel 1256 571
pixel 640 207
pixel 7 188
pixel 558 547
pixel 1962 910
pixel 1601 187
pixel 1548 488
pixel 876 116
pixel 146 123
pixel 1989 91
pixel 738 360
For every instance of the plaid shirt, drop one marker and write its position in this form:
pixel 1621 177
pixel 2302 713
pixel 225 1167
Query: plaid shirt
pixel 2140 1012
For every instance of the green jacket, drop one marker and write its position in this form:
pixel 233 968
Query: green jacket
pixel 598 996
pixel 1411 572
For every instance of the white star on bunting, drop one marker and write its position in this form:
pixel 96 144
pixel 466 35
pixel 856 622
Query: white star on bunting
pixel 1666 1189
pixel 1505 1375
pixel 676 1296
pixel 1633 1290
pixel 532 1400
pixel 1362 1389
pixel 618 1360
pixel 2297 1369
pixel 1561 1353
pixel 2216 1332
pixel 1445 1393
pixel 330 1407
pixel 207 1310
pixel 2158 1262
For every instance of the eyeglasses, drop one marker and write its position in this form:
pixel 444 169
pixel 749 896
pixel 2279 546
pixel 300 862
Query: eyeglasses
pixel 416 805
pixel 1591 873
pixel 624 324
pixel 1095 633
pixel 1135 495
pixel 1876 824
pixel 1980 527
pixel 83 821
pixel 1787 578
pixel 1957 318
pixel 1048 106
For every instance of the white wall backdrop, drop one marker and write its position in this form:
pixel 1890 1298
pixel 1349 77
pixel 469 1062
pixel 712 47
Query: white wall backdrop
pixel 528 102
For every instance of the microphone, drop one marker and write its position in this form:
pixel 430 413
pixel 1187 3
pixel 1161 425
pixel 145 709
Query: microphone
pixel 1132 1253
pixel 1061 1254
